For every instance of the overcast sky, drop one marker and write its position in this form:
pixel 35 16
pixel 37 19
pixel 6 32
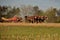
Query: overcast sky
pixel 43 4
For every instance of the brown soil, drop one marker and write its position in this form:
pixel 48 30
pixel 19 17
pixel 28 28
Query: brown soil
pixel 31 24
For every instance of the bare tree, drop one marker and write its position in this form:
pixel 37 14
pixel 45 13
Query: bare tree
pixel 27 10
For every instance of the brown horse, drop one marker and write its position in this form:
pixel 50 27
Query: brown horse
pixel 43 18
pixel 29 19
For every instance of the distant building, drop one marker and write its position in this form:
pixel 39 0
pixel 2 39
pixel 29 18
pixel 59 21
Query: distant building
pixel 58 13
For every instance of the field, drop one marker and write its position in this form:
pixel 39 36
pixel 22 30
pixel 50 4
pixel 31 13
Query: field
pixel 29 31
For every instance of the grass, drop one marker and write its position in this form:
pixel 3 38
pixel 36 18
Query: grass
pixel 29 33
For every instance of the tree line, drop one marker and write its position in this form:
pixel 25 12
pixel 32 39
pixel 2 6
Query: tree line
pixel 52 13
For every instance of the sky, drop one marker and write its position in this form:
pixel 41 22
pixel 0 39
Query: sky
pixel 43 4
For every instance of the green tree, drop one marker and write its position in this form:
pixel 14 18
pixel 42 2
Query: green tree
pixel 51 14
pixel 37 11
pixel 13 12
pixel 3 10
pixel 41 13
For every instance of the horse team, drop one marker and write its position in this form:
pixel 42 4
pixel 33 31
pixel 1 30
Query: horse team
pixel 29 19
pixel 36 19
